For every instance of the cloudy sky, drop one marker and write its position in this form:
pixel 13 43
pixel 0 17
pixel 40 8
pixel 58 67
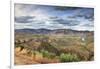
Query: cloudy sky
pixel 53 17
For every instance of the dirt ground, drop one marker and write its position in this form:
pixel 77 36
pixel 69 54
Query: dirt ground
pixel 21 59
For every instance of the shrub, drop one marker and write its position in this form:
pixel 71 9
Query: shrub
pixel 47 54
pixel 68 57
pixel 80 51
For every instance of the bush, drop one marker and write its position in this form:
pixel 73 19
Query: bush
pixel 68 57
pixel 80 51
pixel 47 54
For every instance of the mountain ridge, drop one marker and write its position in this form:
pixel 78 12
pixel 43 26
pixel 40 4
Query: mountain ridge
pixel 49 31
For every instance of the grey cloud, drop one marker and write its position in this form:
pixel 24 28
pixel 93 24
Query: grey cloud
pixel 86 13
pixel 66 22
pixel 62 8
pixel 24 19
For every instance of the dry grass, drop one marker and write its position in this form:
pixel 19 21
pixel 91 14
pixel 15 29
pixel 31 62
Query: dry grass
pixel 55 46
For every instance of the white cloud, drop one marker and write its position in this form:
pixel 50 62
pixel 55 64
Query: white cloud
pixel 42 19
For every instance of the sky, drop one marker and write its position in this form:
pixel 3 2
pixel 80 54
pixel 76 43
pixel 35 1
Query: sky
pixel 34 16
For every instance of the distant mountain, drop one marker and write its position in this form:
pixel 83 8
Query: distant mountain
pixel 48 31
pixel 33 31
